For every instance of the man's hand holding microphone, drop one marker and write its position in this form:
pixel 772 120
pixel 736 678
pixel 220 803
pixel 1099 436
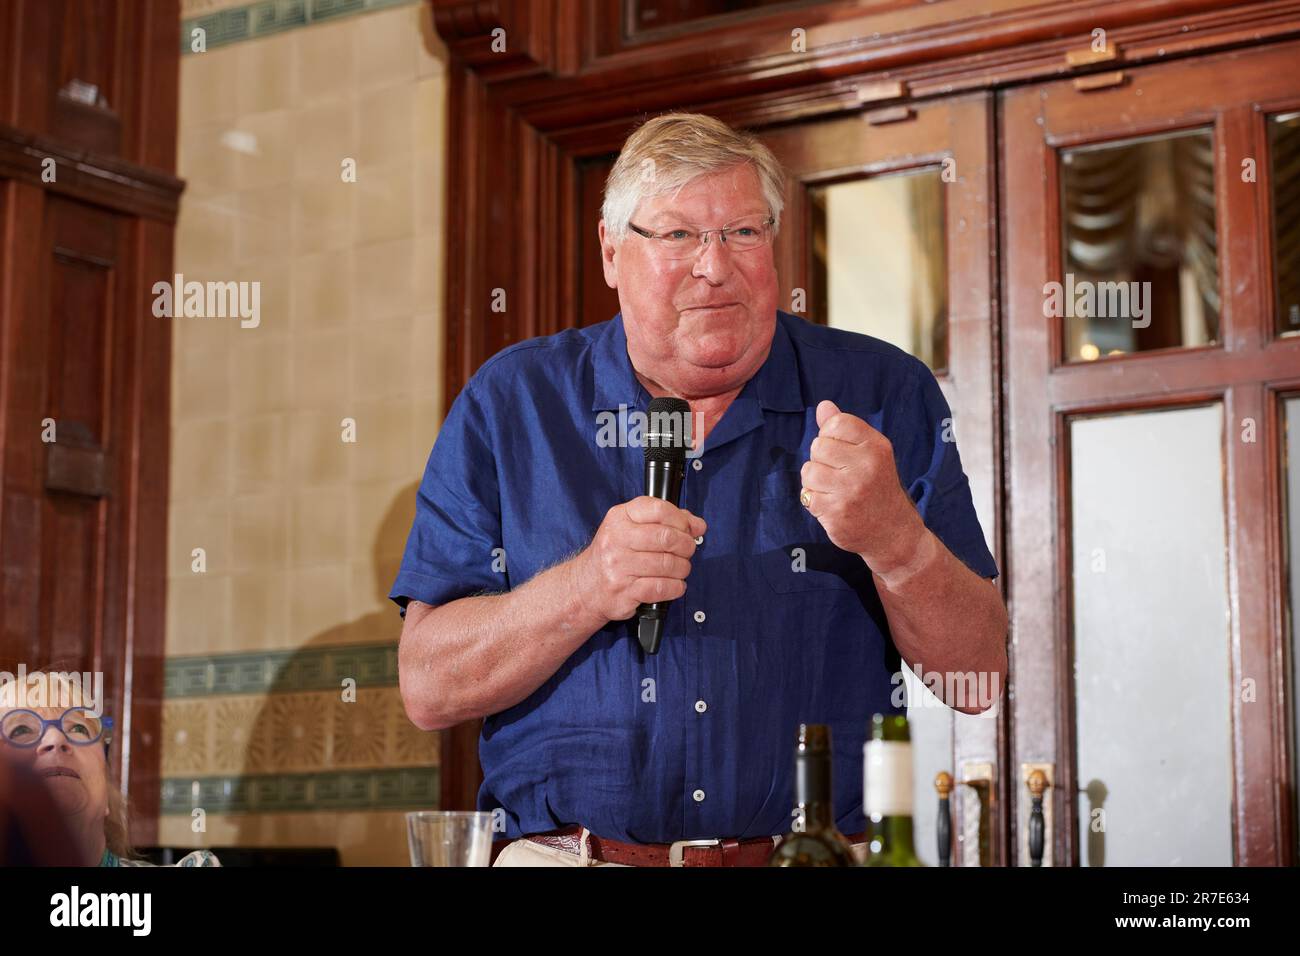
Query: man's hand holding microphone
pixel 640 554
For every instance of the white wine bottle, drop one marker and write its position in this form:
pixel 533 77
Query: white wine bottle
pixel 887 792
pixel 816 841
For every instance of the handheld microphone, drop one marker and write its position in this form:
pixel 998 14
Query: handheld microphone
pixel 665 466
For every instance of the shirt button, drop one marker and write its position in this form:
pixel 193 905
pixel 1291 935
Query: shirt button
pixel 701 706
pixel 699 617
pixel 697 464
pixel 699 540
pixel 699 796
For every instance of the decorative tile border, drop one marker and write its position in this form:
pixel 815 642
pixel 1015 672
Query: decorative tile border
pixel 192 9
pixel 271 732
pixel 292 733
pixel 281 672
pixel 407 788
pixel 266 17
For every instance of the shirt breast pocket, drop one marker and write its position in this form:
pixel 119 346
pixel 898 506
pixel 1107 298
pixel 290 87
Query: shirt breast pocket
pixel 790 545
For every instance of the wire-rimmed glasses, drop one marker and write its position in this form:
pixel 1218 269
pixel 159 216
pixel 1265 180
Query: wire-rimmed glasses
pixel 682 242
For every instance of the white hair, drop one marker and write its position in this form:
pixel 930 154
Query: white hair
pixel 667 152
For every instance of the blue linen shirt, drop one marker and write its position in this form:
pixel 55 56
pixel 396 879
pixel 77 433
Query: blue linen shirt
pixel 698 740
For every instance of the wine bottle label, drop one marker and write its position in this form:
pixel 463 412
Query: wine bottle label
pixel 887 778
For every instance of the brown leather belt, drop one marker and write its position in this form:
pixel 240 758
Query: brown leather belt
pixel 752 852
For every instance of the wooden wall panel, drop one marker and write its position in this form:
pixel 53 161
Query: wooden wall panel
pixel 83 519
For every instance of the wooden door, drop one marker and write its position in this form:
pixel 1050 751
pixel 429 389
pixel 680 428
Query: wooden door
pixel 87 207
pixel 900 202
pixel 1143 430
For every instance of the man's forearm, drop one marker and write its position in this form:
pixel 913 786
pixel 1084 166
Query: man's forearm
pixel 479 655
pixel 944 618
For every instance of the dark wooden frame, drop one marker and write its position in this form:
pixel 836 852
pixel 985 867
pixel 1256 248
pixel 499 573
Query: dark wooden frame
pixel 851 146
pixel 1247 373
pixel 521 121
pixel 117 155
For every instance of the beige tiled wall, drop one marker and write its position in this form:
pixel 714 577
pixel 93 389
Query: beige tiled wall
pixel 302 531
pixel 293 519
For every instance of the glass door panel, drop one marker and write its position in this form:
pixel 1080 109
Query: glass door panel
pixel 889 280
pixel 1291 541
pixel 1140 246
pixel 888 231
pixel 1152 722
pixel 1284 158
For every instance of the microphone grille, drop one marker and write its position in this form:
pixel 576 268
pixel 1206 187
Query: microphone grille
pixel 668 423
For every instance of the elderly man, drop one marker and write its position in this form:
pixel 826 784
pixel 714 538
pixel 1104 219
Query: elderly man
pixel 825 531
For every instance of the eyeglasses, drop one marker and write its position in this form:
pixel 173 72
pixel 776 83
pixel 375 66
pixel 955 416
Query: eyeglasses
pixel 683 243
pixel 25 728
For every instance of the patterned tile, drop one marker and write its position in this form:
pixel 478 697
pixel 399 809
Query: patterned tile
pixel 405 788
pixel 314 668
pixel 239 674
pixel 272 731
pixel 411 746
pixel 410 788
pixel 322 9
pixel 240 738
pixel 298 731
pixel 220 28
pixel 360 729
pixel 185 737
pixel 272 16
pixel 194 8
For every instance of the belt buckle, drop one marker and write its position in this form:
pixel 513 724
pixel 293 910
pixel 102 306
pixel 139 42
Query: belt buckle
pixel 675 849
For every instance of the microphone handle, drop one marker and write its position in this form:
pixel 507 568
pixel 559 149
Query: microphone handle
pixel 663 479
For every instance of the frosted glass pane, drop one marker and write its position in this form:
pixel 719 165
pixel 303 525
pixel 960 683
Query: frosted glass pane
pixel 1151 653
pixel 930 727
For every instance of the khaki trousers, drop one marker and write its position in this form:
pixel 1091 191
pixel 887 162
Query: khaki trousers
pixel 527 853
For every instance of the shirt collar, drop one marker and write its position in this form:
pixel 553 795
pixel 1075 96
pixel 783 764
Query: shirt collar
pixel 615 381
pixel 775 385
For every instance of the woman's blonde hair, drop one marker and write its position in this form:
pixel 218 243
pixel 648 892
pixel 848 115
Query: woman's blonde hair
pixel 117 824
pixel 667 152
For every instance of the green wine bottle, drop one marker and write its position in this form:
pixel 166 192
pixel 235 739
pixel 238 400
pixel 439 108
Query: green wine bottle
pixel 887 792
pixel 815 841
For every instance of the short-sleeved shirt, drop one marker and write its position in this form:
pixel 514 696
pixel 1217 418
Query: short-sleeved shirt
pixel 777 626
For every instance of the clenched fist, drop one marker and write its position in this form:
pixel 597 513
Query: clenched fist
pixel 641 554
pixel 851 486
